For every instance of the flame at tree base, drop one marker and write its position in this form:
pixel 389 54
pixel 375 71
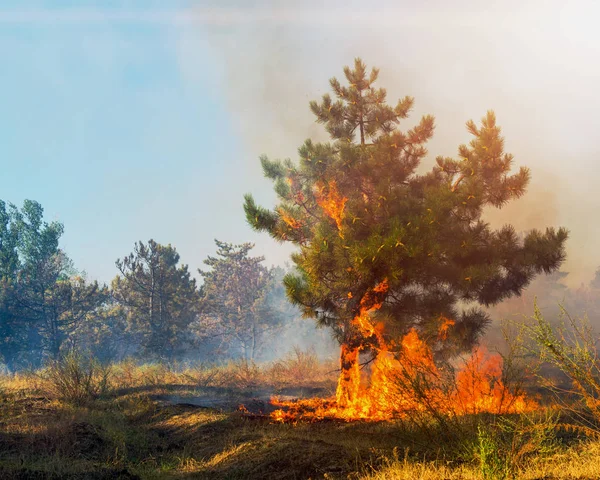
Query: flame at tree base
pixel 406 382
pixel 412 383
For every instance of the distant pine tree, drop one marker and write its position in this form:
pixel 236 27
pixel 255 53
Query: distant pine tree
pixel 160 297
pixel 239 301
pixel 362 217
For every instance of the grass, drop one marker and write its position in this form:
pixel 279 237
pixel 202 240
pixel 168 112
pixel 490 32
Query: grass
pixel 124 430
pixel 581 461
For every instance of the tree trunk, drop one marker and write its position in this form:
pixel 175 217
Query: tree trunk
pixel 55 340
pixel 349 381
pixel 362 130
pixel 253 338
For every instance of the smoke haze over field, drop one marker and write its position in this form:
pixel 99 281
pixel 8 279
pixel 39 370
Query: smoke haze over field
pixel 532 63
pixel 157 117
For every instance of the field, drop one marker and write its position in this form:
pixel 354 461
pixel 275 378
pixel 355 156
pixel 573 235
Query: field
pixel 151 422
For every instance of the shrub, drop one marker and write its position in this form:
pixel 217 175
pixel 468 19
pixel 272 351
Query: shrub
pixel 504 447
pixel 299 367
pixel 76 378
pixel 243 374
pixel 127 373
pixel 571 346
pixel 156 374
pixel 203 376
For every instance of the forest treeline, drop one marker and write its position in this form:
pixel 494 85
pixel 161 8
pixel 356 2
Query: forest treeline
pixel 153 310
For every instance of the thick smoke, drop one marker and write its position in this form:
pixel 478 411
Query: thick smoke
pixel 532 63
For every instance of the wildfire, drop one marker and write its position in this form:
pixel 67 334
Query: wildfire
pixel 408 381
pixel 289 220
pixel 332 203
pixel 444 327
pixel 402 378
pixel 397 388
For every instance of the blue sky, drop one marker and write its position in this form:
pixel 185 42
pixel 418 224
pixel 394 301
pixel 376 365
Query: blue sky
pixel 136 120
pixel 101 128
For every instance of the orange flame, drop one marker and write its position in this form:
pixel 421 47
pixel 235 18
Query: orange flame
pixel 406 381
pixel 444 327
pixel 332 202
pixel 288 219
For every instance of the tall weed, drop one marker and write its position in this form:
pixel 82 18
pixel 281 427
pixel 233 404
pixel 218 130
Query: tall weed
pixel 76 378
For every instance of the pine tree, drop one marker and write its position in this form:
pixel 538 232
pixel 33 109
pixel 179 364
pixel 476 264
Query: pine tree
pixel 42 299
pixel 41 264
pixel 160 296
pixel 11 330
pixel 239 303
pixel 375 237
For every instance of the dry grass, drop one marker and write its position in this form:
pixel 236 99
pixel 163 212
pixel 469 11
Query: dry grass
pixel 127 434
pixel 299 369
pixel 578 462
pixel 303 368
pixel 20 383
pixel 407 470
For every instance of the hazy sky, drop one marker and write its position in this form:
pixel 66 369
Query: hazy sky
pixel 131 120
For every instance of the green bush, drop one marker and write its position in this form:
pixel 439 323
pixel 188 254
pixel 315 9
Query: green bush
pixel 504 447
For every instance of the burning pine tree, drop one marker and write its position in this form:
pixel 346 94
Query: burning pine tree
pixel 388 257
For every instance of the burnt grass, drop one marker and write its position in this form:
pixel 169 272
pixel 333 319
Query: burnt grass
pixel 174 433
pixel 143 435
